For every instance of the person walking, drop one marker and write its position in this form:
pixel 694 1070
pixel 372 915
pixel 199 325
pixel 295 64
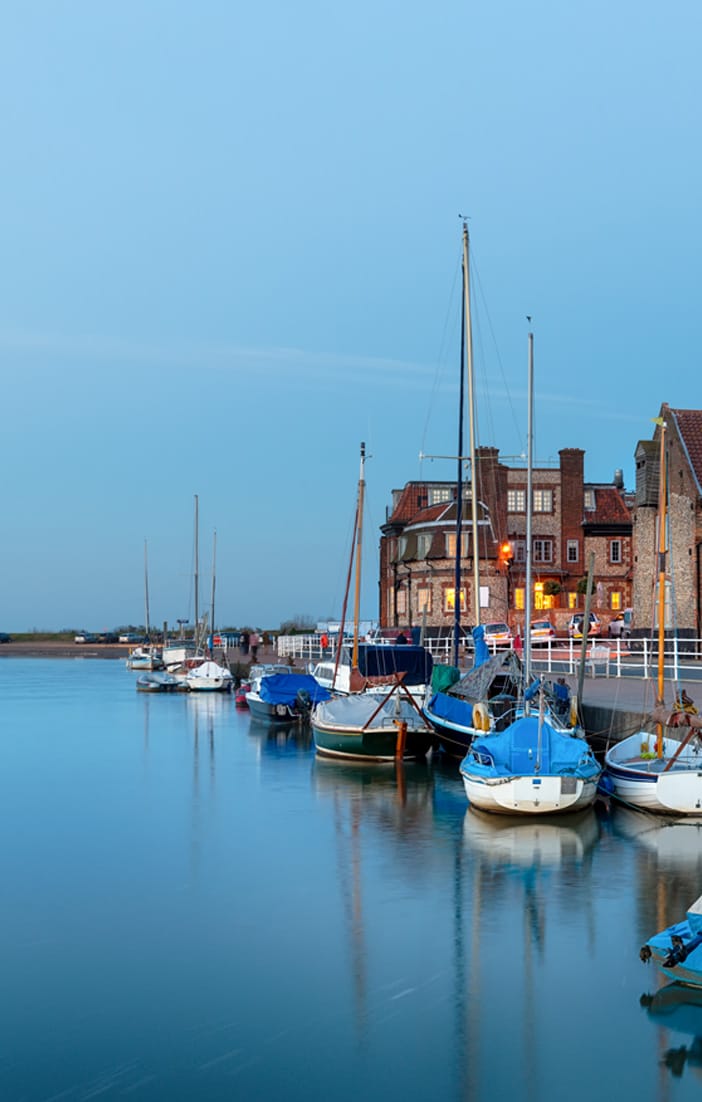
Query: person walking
pixel 253 645
pixel 323 643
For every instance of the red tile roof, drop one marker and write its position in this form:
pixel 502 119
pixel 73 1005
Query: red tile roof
pixel 610 507
pixel 689 423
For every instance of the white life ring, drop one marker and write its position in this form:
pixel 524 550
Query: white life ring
pixel 481 718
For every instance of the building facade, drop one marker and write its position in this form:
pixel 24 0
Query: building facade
pixel 572 521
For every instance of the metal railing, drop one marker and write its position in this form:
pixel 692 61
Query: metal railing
pixel 604 657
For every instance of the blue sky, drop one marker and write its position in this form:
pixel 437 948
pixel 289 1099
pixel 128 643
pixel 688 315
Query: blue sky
pixel 231 245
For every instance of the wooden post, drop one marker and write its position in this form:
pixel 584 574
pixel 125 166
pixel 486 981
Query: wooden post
pixel 401 739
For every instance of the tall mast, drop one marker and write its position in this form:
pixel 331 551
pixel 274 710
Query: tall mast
pixel 359 542
pixel 529 509
pixel 471 417
pixel 212 602
pixel 197 567
pixel 662 541
pixel 146 594
pixel 459 484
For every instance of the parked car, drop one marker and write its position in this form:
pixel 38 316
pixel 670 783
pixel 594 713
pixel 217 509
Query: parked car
pixel 130 637
pixel 620 627
pixel 498 635
pixel 85 637
pixel 542 632
pixel 4 637
pixel 575 626
pixel 107 637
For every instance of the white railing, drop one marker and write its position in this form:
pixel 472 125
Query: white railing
pixel 605 657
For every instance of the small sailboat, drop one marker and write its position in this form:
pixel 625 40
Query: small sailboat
pixel 380 725
pixel 534 766
pixel 677 950
pixel 146 657
pixel 209 677
pixel 653 771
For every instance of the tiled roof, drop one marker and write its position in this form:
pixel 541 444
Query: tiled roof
pixel 689 422
pixel 610 507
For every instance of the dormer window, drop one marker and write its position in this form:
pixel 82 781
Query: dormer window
pixel 590 501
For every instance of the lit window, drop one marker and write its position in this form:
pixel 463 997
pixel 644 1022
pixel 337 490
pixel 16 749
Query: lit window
pixel 519 599
pixel 573 550
pixel 615 601
pixel 424 599
pixel 401 602
pixel 615 551
pixel 516 501
pixel 450 600
pixel 543 501
pixel 451 545
pixel 572 600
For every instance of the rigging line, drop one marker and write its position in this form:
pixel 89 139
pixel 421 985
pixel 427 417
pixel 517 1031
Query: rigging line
pixel 483 299
pixel 441 359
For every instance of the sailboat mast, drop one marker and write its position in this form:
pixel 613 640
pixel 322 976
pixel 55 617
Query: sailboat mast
pixel 471 421
pixel 146 594
pixel 530 497
pixel 662 541
pixel 197 567
pixel 214 568
pixel 359 543
pixel 459 490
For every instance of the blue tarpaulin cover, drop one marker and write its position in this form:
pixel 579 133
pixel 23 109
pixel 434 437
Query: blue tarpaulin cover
pixel 515 750
pixel 378 661
pixel 482 651
pixel 282 688
pixel 451 708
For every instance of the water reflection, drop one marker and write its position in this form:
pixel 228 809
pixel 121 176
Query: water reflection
pixel 679 1009
pixel 281 739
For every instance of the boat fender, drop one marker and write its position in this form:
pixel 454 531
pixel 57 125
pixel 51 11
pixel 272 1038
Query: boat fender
pixel 280 709
pixel 481 719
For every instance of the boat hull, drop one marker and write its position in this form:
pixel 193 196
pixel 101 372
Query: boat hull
pixel 375 744
pixel 644 783
pixel 530 795
pixel 269 712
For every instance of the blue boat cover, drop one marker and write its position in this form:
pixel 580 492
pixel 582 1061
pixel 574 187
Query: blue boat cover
pixel 482 651
pixel 450 708
pixel 513 752
pixel 282 688
pixel 378 661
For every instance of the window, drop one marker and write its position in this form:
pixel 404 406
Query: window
pixel 519 598
pixel 573 551
pixel 572 600
pixel 543 501
pixel 437 494
pixel 516 501
pixel 451 545
pixel 615 601
pixel 423 545
pixel 615 551
pixel 590 500
pixel 519 548
pixel 423 599
pixel 450 600
pixel 543 550
pixel 401 602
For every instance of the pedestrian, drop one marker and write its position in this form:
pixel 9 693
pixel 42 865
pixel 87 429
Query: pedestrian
pixel 401 639
pixel 244 642
pixel 253 645
pixel 323 643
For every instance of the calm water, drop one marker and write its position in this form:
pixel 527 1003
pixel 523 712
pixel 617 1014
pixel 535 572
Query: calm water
pixel 195 908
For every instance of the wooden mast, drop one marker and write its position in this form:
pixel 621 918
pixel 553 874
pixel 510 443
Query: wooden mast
pixel 529 511
pixel 359 542
pixel 459 481
pixel 212 601
pixel 146 595
pixel 662 541
pixel 197 610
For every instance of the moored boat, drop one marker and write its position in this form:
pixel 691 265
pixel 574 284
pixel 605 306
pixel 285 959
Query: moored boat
pixel 145 658
pixel 677 950
pixel 156 681
pixel 284 697
pixel 209 677
pixel 366 727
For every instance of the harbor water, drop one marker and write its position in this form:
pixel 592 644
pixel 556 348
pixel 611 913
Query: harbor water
pixel 195 907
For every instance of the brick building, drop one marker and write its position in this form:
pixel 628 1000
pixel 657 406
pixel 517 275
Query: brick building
pixel 570 519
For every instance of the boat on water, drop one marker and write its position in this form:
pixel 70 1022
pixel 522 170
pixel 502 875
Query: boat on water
pixel 533 766
pixel 379 665
pixel 656 770
pixel 145 658
pixel 365 725
pixel 678 1008
pixel 677 950
pixel 208 677
pixel 157 681
pixel 284 697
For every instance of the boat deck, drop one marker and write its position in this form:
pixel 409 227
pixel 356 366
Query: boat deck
pixel 658 765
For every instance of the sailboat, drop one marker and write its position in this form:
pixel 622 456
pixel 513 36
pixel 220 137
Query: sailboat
pixel 656 771
pixel 534 766
pixel 372 726
pixel 145 657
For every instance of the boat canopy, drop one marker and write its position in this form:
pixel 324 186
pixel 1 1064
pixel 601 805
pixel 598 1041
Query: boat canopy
pixel 282 688
pixel 382 661
pixel 514 752
pixel 452 709
pixel 477 682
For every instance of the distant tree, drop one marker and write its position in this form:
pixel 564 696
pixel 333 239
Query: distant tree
pixel 300 624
